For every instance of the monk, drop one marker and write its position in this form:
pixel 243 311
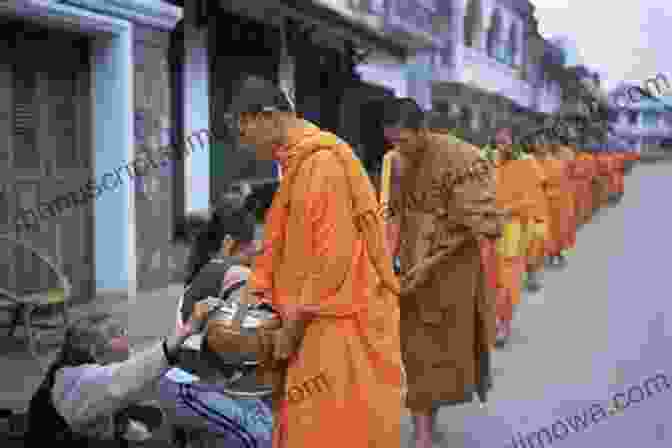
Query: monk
pixel 601 181
pixel 575 179
pixel 596 182
pixel 566 154
pixel 538 233
pixel 621 167
pixel 447 205
pixel 584 171
pixel 559 198
pixel 616 175
pixel 519 191
pixel 325 264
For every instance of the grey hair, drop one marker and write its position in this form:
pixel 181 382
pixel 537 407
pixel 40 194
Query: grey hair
pixel 89 336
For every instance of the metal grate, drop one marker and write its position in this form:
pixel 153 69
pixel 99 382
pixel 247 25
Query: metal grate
pixel 25 84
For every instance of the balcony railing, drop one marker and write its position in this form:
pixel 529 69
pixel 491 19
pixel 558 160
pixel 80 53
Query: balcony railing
pixel 414 13
pixel 491 75
pixel 444 67
pixel 412 20
pixel 625 127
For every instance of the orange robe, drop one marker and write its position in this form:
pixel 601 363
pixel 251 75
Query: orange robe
pixel 536 245
pixel 618 173
pixel 591 169
pixel 315 253
pixel 560 203
pixel 566 154
pixel 610 165
pixel 584 171
pixel 575 178
pixel 603 180
pixel 517 183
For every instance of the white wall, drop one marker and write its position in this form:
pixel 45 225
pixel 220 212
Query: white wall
pixel 392 76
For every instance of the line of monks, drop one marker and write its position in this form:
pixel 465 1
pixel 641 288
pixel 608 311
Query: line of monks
pixel 551 190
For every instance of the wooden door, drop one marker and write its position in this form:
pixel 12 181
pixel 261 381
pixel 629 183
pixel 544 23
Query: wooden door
pixel 45 152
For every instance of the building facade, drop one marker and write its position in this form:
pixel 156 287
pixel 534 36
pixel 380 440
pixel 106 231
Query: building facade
pixel 412 24
pixel 475 64
pixel 153 76
pixel 643 124
pixel 494 68
pixel 74 123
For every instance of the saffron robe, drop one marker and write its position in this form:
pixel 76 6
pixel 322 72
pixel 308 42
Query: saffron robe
pixel 537 229
pixel 601 182
pixel 616 173
pixel 559 200
pixel 315 253
pixel 447 203
pixel 566 154
pixel 519 191
pixel 584 171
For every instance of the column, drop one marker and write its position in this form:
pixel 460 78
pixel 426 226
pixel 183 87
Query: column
pixel 481 43
pixel 419 78
pixel 113 137
pixel 196 73
pixel 521 45
pixel 459 12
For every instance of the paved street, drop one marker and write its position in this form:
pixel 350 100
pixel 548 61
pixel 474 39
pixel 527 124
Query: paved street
pixel 595 330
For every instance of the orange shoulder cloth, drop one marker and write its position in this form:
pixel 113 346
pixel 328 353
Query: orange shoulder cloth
pixel 368 218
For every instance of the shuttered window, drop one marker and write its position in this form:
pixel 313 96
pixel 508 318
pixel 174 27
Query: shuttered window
pixel 25 120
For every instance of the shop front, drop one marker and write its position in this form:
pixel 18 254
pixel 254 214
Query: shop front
pixel 66 125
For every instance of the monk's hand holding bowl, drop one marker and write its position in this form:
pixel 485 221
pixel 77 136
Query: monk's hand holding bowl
pixel 287 340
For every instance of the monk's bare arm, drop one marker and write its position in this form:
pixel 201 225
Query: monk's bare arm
pixel 327 217
pixel 394 207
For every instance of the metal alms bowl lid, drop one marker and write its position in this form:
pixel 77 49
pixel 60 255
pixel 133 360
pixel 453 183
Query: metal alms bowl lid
pixel 254 318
